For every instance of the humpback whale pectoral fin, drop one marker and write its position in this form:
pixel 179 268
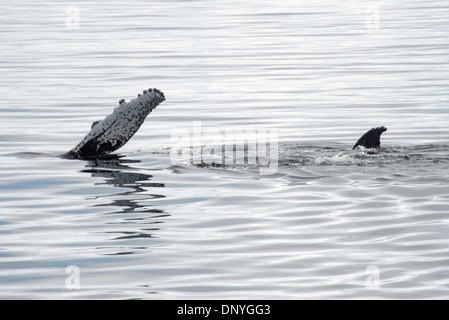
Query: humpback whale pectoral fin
pixel 371 139
pixel 116 129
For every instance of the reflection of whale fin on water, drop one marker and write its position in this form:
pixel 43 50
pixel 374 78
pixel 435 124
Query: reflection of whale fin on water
pixel 117 128
pixel 371 139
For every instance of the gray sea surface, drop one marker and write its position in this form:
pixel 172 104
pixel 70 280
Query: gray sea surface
pixel 328 223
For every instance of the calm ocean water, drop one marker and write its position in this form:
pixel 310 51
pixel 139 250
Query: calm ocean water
pixel 329 223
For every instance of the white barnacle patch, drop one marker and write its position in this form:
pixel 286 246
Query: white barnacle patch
pixel 116 129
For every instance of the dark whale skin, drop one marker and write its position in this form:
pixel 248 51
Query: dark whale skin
pixel 116 129
pixel 370 139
